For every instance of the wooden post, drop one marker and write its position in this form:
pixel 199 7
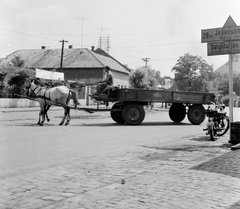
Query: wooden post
pixel 61 63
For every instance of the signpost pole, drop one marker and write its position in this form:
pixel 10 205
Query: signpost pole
pixel 230 90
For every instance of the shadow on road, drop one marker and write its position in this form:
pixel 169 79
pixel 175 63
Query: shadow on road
pixel 143 124
pixel 93 124
pixel 31 124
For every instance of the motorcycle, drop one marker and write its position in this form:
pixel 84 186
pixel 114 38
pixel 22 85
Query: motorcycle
pixel 218 121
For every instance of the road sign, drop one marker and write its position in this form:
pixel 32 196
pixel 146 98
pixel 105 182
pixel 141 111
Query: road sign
pixel 221 34
pixel 220 48
pixel 229 31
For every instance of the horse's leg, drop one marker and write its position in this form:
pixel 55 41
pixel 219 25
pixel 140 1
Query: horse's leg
pixel 64 117
pixel 46 110
pixel 39 118
pixel 42 114
pixel 68 116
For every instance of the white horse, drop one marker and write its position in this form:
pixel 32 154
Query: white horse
pixel 59 95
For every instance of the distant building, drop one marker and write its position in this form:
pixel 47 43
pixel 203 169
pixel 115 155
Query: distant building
pixel 224 69
pixel 78 64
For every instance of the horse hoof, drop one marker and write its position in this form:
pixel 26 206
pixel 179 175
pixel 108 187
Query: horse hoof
pixel 60 124
pixel 48 120
pixel 40 124
pixel 66 124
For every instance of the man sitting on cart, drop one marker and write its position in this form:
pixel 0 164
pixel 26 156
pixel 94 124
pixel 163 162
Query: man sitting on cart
pixel 103 86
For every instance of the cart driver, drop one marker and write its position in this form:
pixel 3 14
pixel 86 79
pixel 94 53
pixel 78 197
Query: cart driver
pixel 103 85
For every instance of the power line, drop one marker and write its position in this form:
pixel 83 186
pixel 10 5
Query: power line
pixel 85 18
pixel 157 45
pixel 26 34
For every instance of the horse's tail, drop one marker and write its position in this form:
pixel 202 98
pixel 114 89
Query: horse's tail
pixel 74 97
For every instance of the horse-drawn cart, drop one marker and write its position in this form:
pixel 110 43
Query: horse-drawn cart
pixel 129 104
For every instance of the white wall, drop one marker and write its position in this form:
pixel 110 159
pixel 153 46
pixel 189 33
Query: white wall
pixel 12 103
pixel 7 102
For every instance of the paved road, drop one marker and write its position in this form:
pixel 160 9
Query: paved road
pixel 192 172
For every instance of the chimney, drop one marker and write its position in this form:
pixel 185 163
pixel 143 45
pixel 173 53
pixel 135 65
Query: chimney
pixel 92 48
pixel 43 47
pixel 70 46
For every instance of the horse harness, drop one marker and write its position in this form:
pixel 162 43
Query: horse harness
pixel 44 94
pixel 41 96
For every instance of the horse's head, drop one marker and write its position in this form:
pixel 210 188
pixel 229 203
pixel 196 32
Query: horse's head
pixel 31 84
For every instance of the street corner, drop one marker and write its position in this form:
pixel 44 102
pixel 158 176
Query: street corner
pixel 227 164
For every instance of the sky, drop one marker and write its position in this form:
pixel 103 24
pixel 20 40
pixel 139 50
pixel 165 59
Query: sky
pixel 161 30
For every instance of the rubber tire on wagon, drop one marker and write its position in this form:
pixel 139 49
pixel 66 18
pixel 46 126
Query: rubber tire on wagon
pixel 177 112
pixel 117 115
pixel 196 114
pixel 133 114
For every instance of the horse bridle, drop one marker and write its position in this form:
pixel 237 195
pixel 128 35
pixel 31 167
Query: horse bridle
pixel 31 94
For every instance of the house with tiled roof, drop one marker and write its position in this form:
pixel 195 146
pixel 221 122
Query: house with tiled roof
pixel 224 69
pixel 79 64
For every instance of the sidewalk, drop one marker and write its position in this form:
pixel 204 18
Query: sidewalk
pixel 179 177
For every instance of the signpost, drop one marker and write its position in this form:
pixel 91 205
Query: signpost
pixel 228 47
pixel 225 40
pixel 221 34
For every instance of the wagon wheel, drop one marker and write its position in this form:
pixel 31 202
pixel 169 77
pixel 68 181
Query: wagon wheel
pixel 177 112
pixel 196 114
pixel 117 115
pixel 133 114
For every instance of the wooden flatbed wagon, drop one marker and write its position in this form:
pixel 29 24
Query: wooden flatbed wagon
pixel 129 104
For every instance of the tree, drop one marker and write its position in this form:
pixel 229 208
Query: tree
pixel 17 61
pixel 13 76
pixel 138 78
pixel 158 77
pixel 143 78
pixel 151 79
pixel 191 73
pixel 17 81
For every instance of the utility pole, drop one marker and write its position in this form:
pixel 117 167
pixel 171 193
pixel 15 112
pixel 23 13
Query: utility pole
pixel 146 60
pixel 63 41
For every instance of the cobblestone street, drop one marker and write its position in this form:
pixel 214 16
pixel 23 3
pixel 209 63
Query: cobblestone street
pixel 196 174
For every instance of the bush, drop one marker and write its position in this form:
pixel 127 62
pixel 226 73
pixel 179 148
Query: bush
pixel 12 81
pixel 143 78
